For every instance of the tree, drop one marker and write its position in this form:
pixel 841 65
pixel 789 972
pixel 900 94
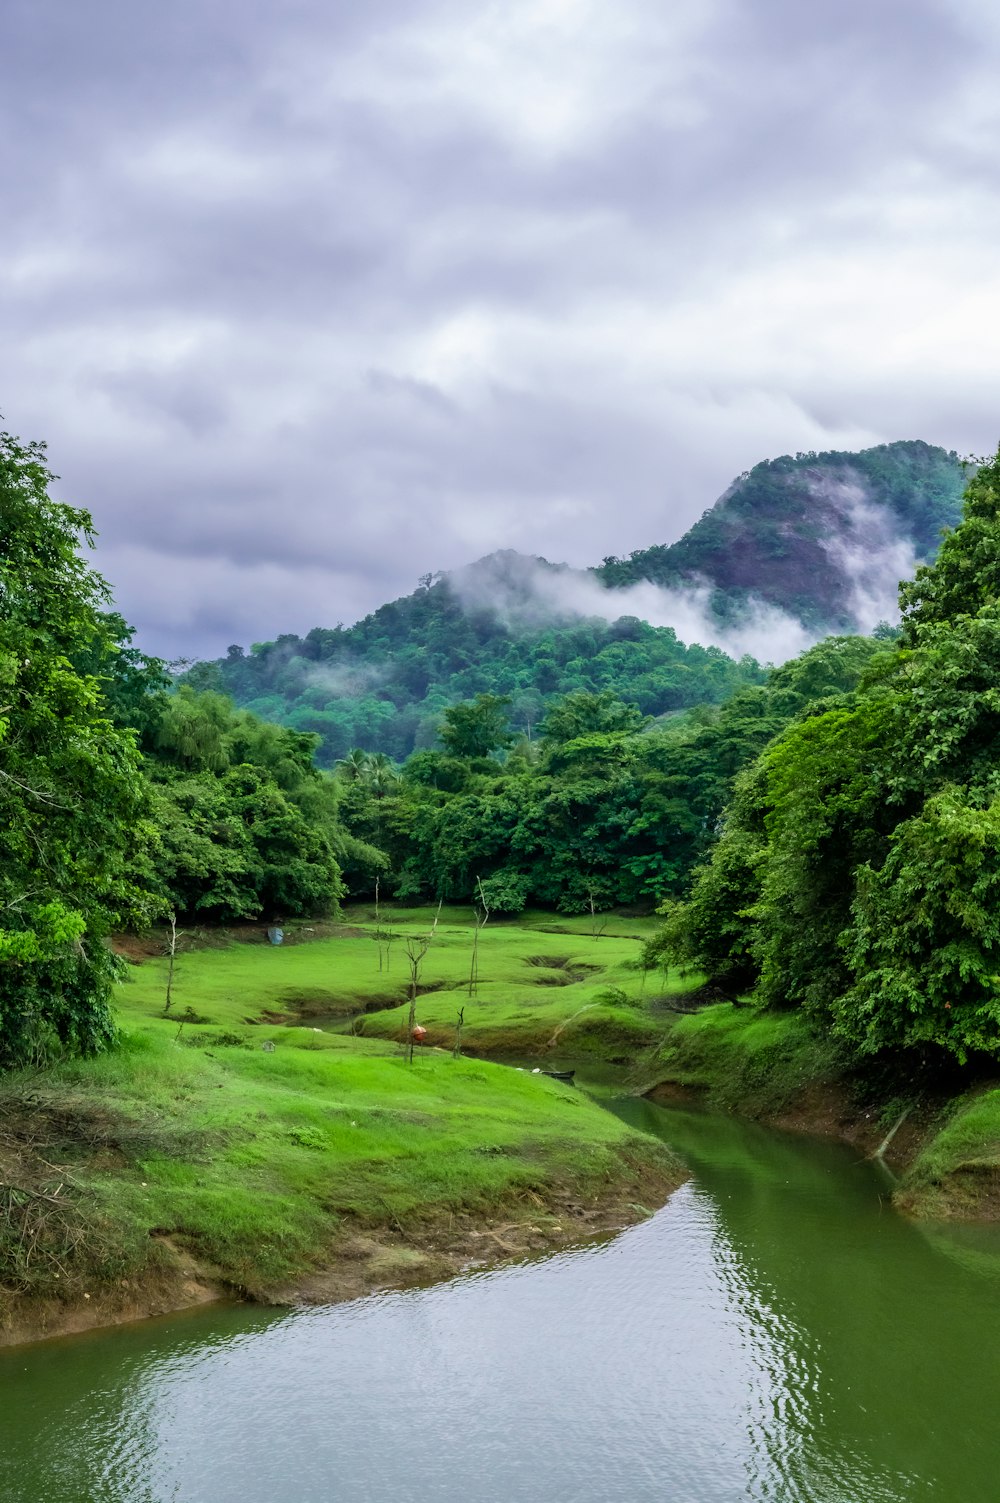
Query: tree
pixel 72 799
pixel 585 714
pixel 477 729
pixel 966 573
pixel 925 939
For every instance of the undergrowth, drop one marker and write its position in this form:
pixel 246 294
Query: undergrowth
pixel 748 1061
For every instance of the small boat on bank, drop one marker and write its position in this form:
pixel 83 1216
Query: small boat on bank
pixel 566 1075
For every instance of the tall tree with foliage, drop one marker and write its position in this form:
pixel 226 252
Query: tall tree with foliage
pixel 71 794
pixel 865 844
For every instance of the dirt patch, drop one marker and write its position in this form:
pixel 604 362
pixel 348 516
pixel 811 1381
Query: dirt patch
pixel 559 970
pixel 34 1319
pixel 702 996
pixel 308 1006
pixel 971 1193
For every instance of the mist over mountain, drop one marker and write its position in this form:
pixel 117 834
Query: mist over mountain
pixel 825 538
pixel 796 549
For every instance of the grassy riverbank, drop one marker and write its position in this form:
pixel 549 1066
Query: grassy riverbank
pixel 550 986
pixel 944 1143
pixel 238 1154
pixel 266 1137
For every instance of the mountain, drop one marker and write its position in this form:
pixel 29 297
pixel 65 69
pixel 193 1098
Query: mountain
pixel 383 683
pixel 824 537
pixel 795 549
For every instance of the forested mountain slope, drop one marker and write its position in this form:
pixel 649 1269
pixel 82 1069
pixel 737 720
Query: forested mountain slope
pixel 816 542
pixel 383 684
pixel 817 535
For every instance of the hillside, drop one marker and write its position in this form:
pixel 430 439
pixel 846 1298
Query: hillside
pixel 383 683
pixel 825 537
pixel 799 546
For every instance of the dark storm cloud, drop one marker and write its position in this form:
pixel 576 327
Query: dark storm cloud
pixel 310 299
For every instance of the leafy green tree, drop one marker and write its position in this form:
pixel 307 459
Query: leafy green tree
pixel 134 686
pixel 505 892
pixel 966 573
pixel 924 944
pixel 585 714
pixel 475 730
pixel 858 870
pixel 71 797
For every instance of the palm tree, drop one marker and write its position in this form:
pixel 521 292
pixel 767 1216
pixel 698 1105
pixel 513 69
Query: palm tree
pixel 382 773
pixel 354 767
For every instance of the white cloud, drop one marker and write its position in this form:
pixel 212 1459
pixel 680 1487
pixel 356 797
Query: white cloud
pixel 346 297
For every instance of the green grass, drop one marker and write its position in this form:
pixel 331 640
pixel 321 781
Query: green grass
pixel 745 1060
pixel 325 1127
pixel 579 989
pixel 252 1146
pixel 957 1172
pixel 253 1160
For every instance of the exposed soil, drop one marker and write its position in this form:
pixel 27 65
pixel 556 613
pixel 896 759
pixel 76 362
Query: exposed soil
pixel 152 946
pixel 703 996
pixel 397 1255
pixel 559 970
pixel 970 1194
pixel 366 1259
pixel 33 1319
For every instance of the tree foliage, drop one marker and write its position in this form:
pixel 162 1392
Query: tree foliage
pixel 390 683
pixel 72 800
pixel 857 872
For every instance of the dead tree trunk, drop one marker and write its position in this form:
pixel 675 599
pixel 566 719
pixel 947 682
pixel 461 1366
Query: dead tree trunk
pixel 171 948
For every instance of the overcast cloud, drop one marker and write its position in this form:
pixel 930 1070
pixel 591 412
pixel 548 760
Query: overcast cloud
pixel 310 298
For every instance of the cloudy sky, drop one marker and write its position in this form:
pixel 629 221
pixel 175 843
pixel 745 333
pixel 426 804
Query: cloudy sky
pixel 310 297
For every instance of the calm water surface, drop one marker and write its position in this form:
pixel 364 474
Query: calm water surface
pixel 775 1332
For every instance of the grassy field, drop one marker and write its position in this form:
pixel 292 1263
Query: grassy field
pixel 543 983
pixel 238 1152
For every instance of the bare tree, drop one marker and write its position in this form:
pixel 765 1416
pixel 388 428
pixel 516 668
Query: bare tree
pixel 598 922
pixel 416 949
pixel 383 936
pixel 170 950
pixel 481 914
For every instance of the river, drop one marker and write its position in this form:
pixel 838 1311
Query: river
pixel 775 1332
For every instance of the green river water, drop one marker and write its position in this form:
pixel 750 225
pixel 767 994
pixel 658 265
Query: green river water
pixel 775 1332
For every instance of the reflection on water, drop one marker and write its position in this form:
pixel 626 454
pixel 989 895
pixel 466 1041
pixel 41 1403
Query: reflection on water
pixel 774 1333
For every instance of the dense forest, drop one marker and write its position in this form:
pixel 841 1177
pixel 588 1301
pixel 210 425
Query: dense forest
pixel 828 834
pixel 789 533
pixel 384 683
pixel 857 870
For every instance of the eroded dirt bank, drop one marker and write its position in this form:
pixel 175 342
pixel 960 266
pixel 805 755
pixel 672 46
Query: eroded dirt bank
pixel 366 1258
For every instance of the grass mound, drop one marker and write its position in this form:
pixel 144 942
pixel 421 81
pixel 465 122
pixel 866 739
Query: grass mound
pixel 748 1061
pixel 957 1172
